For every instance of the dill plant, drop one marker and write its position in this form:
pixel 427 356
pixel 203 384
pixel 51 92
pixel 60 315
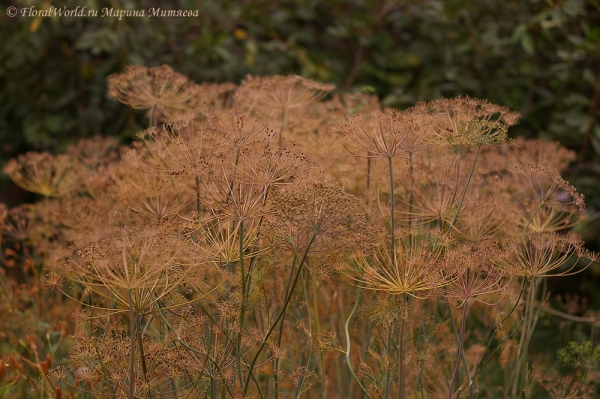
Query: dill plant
pixel 242 247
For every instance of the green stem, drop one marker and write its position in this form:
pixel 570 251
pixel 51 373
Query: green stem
pixel 392 224
pixel 132 321
pixel 401 373
pixel 287 301
pixel 348 361
pixel 142 356
pixel 242 307
pixel 461 339
pixel 526 335
pixel 310 344
pixel 278 361
pixel 464 194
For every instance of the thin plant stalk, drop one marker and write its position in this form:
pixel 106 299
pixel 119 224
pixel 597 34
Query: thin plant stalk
pixel 526 334
pixel 464 194
pixel 392 225
pixel 315 292
pixel 151 119
pixel 285 305
pixel 132 322
pixel 310 334
pixel 348 361
pixel 401 371
pixel 242 307
pixel 278 361
pixel 461 340
pixel 142 356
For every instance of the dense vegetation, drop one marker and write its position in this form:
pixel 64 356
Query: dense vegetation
pixel 541 59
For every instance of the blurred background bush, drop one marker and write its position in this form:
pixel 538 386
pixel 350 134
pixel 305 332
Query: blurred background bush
pixel 541 58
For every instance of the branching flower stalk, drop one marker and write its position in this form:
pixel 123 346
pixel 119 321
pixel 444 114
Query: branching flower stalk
pixel 280 315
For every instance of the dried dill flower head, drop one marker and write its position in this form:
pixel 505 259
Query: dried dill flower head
pixel 319 218
pixel 547 203
pixel 18 222
pixel 283 92
pixel 40 173
pixel 213 95
pixel 3 214
pixel 547 255
pixel 146 88
pixel 132 267
pixel 565 387
pixel 95 152
pixel 466 121
pixel 417 266
pixel 385 134
pixel 476 274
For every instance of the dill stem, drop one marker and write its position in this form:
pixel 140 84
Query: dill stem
pixel 392 226
pixel 401 372
pixel 464 194
pixel 285 305
pixel 132 322
pixel 142 356
pixel 348 361
pixel 242 307
pixel 461 339
pixel 526 335
pixel 310 335
pixel 277 361
pixel 315 292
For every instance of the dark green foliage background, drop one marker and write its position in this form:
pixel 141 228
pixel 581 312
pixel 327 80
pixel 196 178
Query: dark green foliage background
pixel 541 58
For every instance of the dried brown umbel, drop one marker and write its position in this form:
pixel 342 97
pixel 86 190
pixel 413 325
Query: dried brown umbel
pixel 318 217
pixel 282 93
pixel 477 275
pixel 40 173
pixel 466 121
pixel 565 387
pixel 547 202
pixel 132 267
pixel 95 152
pixel 156 89
pixel 547 255
pixel 151 196
pixel 387 134
pixel 416 267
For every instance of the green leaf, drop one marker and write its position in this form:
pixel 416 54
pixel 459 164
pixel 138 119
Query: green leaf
pixel 527 44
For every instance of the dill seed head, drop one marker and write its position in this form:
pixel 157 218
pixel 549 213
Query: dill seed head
pixel 146 88
pixel 40 173
pixel 283 92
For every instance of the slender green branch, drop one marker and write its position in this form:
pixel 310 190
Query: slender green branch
pixel 464 194
pixel 461 340
pixel 242 307
pixel 348 361
pixel 392 225
pixel 132 322
pixel 283 309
